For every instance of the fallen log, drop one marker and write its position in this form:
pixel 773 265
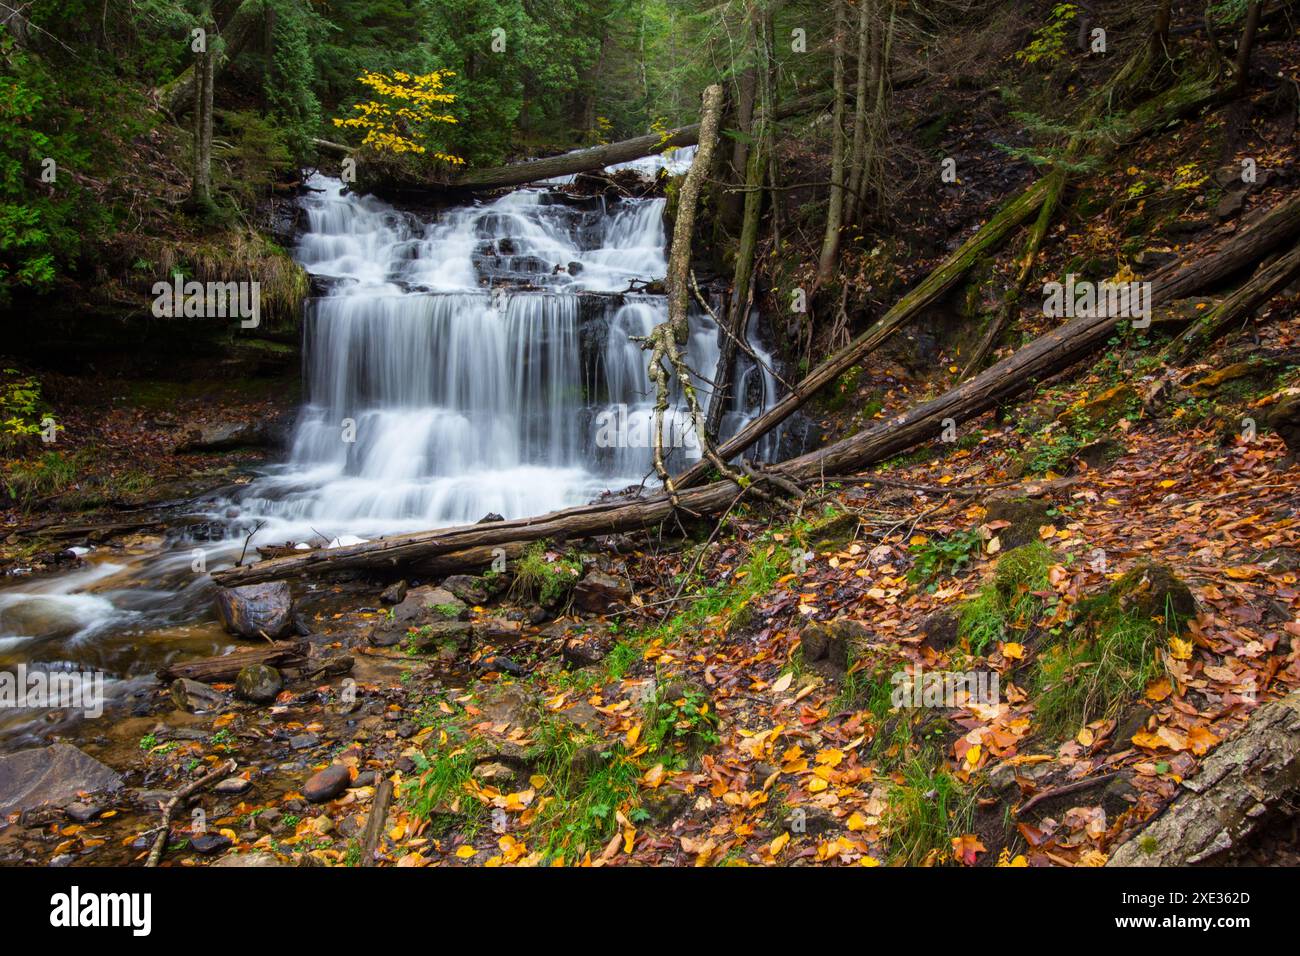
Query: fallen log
pixel 582 160
pixel 207 670
pixel 177 97
pixel 375 822
pixel 1181 101
pixel 1041 358
pixel 1269 280
pixel 1243 784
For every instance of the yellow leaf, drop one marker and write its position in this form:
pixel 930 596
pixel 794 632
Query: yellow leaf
pixel 634 735
pixel 466 851
pixel 1180 650
pixel 1013 651
pixel 783 683
pixel 779 843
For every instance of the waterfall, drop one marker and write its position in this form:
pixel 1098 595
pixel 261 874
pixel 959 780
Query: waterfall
pixel 479 361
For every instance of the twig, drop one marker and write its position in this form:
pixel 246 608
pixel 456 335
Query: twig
pixel 1069 788
pixel 184 793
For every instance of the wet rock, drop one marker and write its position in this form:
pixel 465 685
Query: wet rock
pixel 394 593
pixel 497 629
pixel 232 786
pixel 503 665
pixel 810 819
pixel 439 635
pixel 496 774
pixel 209 842
pixel 664 804
pixel 1024 516
pixel 257 610
pixel 1134 721
pixel 190 695
pixel 471 590
pixel 490 517
pixel 83 812
pixel 366 778
pixel 51 776
pixel 225 436
pixel 1100 454
pixel 830 647
pixel 304 741
pixel 259 683
pixel 581 714
pixel 327 784
pixel 1118 796
pixel 600 593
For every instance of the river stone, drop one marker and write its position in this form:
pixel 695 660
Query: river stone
pixel 209 843
pixel 327 784
pixel 600 593
pixel 257 610
pixel 394 593
pixel 51 776
pixel 469 589
pixel 1284 418
pixel 192 696
pixel 258 683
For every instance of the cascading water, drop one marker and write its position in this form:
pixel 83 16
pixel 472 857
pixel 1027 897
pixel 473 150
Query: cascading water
pixel 480 361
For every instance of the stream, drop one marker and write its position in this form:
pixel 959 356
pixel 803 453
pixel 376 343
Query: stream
pixel 478 361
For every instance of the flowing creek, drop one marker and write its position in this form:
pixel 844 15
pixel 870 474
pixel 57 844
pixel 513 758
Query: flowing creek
pixel 473 362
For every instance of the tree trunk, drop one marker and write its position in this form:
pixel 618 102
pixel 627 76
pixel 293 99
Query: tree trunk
pixel 835 212
pixel 1241 67
pixel 678 281
pixel 177 97
pixel 226 668
pixel 201 180
pixel 857 174
pixel 1247 781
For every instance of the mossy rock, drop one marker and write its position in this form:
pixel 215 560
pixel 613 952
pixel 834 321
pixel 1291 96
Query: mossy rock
pixel 1239 379
pixel 1101 410
pixel 1024 516
pixel 1153 591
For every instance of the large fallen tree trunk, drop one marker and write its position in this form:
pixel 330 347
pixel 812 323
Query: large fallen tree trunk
pixel 177 97
pixel 1243 785
pixel 1043 357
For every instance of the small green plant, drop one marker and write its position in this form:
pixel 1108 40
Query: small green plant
pixel 1010 601
pixel 1048 44
pixel 946 555
pixel 546 579
pixel 680 723
pixel 926 810
pixel 443 787
pixel 1094 676
pixel 148 742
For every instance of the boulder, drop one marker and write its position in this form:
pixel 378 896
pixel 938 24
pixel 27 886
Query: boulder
pixel 327 784
pixel 52 776
pixel 194 697
pixel 258 683
pixel 257 610
pixel 436 635
pixel 511 705
pixel 394 594
pixel 600 593
pixel 225 436
pixel 940 630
